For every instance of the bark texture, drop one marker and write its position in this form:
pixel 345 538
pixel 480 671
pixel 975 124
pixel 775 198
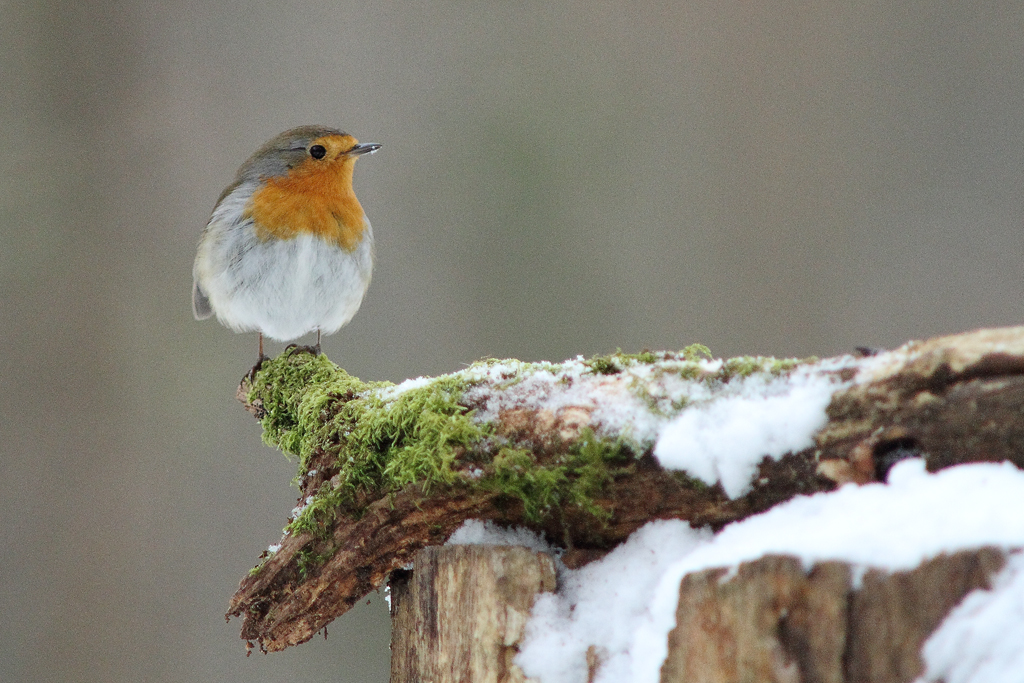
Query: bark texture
pixel 949 400
pixel 775 623
pixel 461 613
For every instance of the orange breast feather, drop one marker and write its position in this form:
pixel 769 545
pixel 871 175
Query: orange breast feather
pixel 313 198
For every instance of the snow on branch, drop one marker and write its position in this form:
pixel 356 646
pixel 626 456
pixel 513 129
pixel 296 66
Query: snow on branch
pixel 588 451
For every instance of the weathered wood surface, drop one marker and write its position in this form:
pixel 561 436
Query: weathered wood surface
pixel 950 400
pixel 461 613
pixel 775 623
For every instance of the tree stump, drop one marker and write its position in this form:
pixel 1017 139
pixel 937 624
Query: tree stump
pixel 460 614
pixel 776 623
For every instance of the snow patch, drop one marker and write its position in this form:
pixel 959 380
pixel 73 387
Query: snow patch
pixel 601 604
pixel 723 440
pixel 391 393
pixel 980 640
pixel 480 532
pixel 624 605
pixel 895 527
pixel 633 403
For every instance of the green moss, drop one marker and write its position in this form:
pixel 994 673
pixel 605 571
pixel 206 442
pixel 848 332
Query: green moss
pixel 696 352
pixel 517 474
pixel 379 440
pixel 745 366
pixel 368 439
pixel 307 560
pixel 614 363
pixel 687 481
pixel 603 365
pixel 571 479
pixel 291 387
pixel 646 357
pixel 617 362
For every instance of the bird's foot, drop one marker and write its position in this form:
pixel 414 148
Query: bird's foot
pixel 251 375
pixel 295 348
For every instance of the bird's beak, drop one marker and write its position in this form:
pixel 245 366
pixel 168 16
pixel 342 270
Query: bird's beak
pixel 363 148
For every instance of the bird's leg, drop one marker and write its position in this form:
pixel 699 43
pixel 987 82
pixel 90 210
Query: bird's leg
pixel 259 361
pixel 317 347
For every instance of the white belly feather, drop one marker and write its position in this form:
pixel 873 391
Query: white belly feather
pixel 283 288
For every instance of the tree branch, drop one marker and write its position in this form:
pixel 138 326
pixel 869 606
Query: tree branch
pixel 568 450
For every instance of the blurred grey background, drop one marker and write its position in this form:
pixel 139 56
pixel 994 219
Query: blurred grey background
pixel 557 178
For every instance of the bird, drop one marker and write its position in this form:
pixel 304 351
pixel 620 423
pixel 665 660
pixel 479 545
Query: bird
pixel 288 249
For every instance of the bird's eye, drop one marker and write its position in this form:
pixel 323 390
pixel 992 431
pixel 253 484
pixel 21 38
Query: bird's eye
pixel 317 151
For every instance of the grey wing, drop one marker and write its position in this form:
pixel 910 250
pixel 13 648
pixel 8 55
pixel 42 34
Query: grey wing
pixel 200 303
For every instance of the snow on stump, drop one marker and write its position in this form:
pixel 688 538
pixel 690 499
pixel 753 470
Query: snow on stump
pixel 695 509
pixel 774 621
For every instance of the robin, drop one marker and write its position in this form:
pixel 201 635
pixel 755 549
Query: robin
pixel 288 249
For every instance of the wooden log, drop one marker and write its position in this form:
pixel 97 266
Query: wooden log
pixel 460 614
pixel 386 471
pixel 773 622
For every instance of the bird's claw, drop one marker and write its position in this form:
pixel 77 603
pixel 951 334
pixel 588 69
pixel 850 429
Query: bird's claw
pixel 251 375
pixel 313 349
